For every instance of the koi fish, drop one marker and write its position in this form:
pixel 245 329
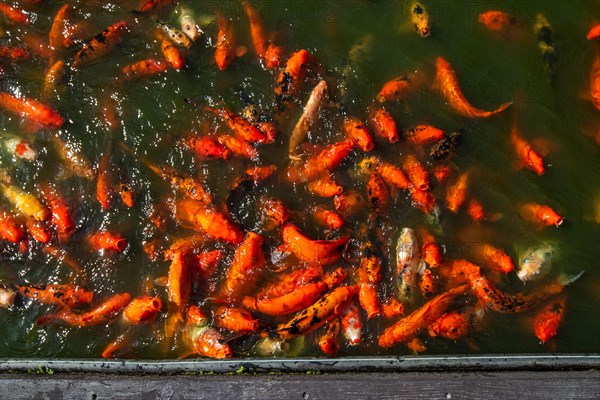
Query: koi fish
pixel 62 295
pixel 14 15
pixel 59 210
pixel 107 241
pixel 352 324
pixel 100 45
pixel 358 133
pixel 536 263
pixel 496 258
pixel 541 215
pixel 142 309
pixel 410 326
pixel 149 5
pixel 423 200
pixel 104 184
pixel 416 172
pixel 384 125
pixel 448 84
pixel 348 203
pixel 56 35
pixel 240 126
pixel 328 342
pixel 188 25
pixel 176 36
pixel 127 194
pixel 235 320
pixel 456 193
pixel 14 54
pixel 19 147
pixel 10 229
pixel 394 89
pixel 308 117
pixel 407 262
pixel 422 134
pixel 225 47
pixel 296 300
pixel 324 187
pixel 72 156
pixel 248 262
pixel 327 218
pixel 594 32
pixel 452 325
pixel 328 307
pixel 475 210
pixel 101 314
pixel 288 81
pixel 527 156
pixel 178 283
pixel 32 110
pixel 445 147
pixel 369 275
pixel 238 146
pixel 206 147
pixel 257 30
pixel 54 76
pixel 392 308
pixel 595 82
pixel 420 18
pixel 204 339
pixel 378 195
pixel 497 20
pixel 209 220
pixel 327 160
pixel 428 283
pixel 430 251
pixel 38 231
pixel 322 252
pixel 26 203
pixel 545 36
pixel 171 53
pixel 289 282
pixel 549 319
pixel 143 68
pixel 391 174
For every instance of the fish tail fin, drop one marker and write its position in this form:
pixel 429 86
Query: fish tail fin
pixel 503 107
pixel 566 280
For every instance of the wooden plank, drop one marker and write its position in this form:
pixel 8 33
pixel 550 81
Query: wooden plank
pixel 477 385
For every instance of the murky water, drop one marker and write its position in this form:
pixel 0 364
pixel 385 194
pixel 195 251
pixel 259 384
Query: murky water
pixel 492 68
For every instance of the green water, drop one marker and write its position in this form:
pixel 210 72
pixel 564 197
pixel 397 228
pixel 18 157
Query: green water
pixel 492 68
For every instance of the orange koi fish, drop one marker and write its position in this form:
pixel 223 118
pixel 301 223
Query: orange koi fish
pixel 203 339
pixel 527 156
pixel 127 194
pixel 453 325
pixel 348 203
pixel 13 54
pixel 328 307
pixel 391 174
pixel 296 300
pixel 38 231
pixel 328 342
pixel 14 15
pixel 394 89
pixel 171 53
pixel 448 83
pixel 179 284
pixel 393 308
pixel 54 76
pixel 496 258
pixel 238 146
pixel 430 251
pixel 358 133
pixel 456 193
pixel 540 214
pixel 475 210
pixel 308 117
pixel 209 220
pixel 104 184
pixel 595 82
pixel 107 241
pixel 143 68
pixel 56 37
pixel 117 346
pixel 63 295
pixel 289 79
pixel 322 252
pixel 327 218
pixel 352 324
pixel 422 134
pixel 324 187
pixel 185 245
pixel 150 5
pixel 10 229
pixel 275 212
pixel 594 32
pixel 100 45
pixel 422 199
pixel 142 309
pixel 206 147
pixel 257 30
pixel 384 125
pixel 369 275
pixel 549 319
pixel 239 125
pixel 32 110
pixel 59 210
pixel 410 326
pixel 416 172
pixel 248 262
pixel 235 320
pixel 102 314
pixel 378 195
pixel 497 20
pixel 441 172
pixel 225 47
pixel 289 282
pixel 327 160
pixel 428 283
pixel 501 302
